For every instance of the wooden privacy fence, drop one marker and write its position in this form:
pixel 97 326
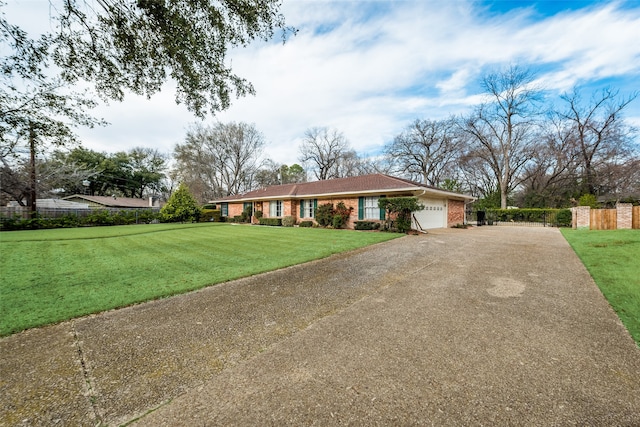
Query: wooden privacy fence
pixel 624 216
pixel 603 219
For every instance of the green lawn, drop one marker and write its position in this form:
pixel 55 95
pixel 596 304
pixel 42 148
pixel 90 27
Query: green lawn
pixel 613 260
pixel 54 275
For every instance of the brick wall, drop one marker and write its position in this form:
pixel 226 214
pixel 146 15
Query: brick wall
pixel 235 209
pixel 455 212
pixel 624 213
pixel 581 216
pixel 289 208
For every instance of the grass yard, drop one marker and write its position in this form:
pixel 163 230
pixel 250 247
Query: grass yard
pixel 613 260
pixel 54 275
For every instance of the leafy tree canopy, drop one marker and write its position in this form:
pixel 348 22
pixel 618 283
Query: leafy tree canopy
pixel 138 45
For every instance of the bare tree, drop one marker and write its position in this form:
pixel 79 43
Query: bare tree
pixel 503 130
pixel 348 165
pixel 620 180
pixel 426 150
pixel 375 164
pixel 476 175
pixel 601 134
pixel 221 160
pixel 324 151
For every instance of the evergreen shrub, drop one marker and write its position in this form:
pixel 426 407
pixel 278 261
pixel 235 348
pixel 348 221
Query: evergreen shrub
pixel 324 214
pixel 210 215
pixel 276 222
pixel 366 225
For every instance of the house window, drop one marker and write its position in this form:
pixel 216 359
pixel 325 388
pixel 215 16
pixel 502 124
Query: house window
pixel 224 209
pixel 371 209
pixel 308 208
pixel 275 208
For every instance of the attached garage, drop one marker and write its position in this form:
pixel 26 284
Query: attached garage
pixel 434 214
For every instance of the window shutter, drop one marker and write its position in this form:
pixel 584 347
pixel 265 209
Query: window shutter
pixel 382 212
pixel 315 206
pixel 360 208
pixel 301 208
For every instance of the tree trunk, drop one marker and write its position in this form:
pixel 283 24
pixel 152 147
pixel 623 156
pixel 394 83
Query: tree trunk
pixel 32 172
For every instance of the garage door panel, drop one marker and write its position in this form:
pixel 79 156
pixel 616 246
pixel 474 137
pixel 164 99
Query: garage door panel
pixel 433 215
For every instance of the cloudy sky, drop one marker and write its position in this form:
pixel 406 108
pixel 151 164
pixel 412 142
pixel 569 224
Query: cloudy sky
pixel 369 68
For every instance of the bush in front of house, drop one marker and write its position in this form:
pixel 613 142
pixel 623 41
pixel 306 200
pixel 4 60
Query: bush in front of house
pixel 401 208
pixel 246 214
pixel 306 224
pixel 288 221
pixel 324 214
pixel 275 222
pixel 366 225
pixel 327 215
pixel 210 215
pixel 341 215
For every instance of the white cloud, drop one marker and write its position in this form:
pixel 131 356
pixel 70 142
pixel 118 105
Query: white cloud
pixel 370 68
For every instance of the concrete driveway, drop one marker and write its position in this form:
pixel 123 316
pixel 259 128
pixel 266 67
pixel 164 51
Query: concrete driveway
pixel 486 326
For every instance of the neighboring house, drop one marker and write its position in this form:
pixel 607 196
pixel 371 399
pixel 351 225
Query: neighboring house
pixel 53 204
pixel 98 202
pixel 361 193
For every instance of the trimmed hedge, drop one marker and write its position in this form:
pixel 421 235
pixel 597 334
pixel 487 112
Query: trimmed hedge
pixel 98 217
pixel 306 224
pixel 366 225
pixel 210 215
pixel 275 222
pixel 288 221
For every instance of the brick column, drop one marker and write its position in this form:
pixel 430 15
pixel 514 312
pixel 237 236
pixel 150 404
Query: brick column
pixel 581 217
pixel 624 212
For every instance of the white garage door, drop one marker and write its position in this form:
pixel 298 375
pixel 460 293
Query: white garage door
pixel 434 214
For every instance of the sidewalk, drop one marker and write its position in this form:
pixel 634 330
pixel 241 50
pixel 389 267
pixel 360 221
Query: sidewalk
pixel 486 326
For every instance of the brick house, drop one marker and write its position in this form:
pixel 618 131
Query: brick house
pixel 360 193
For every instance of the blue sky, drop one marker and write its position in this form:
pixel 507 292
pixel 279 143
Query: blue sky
pixel 370 68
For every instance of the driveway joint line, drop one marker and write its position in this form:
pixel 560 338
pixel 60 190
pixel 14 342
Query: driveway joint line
pixel 91 392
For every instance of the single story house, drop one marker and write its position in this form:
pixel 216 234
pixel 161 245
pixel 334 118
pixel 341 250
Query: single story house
pixel 53 204
pixel 360 193
pixel 101 202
